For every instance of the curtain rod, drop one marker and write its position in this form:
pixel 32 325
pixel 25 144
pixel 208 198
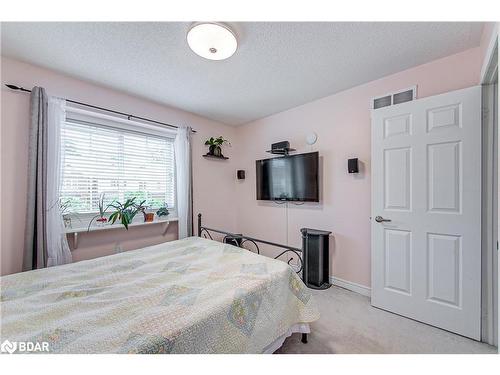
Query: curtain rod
pixel 14 87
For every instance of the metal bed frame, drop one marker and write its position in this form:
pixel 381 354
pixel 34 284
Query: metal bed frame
pixel 239 240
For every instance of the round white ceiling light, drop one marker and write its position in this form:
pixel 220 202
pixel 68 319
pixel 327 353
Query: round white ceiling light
pixel 213 41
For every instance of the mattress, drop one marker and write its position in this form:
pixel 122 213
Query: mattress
pixel 188 296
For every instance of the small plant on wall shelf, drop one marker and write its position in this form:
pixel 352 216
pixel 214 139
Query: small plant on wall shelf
pixel 215 146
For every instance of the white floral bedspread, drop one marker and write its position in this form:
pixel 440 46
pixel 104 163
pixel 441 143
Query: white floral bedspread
pixel 187 296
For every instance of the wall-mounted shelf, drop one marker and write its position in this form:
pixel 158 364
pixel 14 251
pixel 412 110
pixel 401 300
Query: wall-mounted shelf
pixel 208 156
pixel 76 231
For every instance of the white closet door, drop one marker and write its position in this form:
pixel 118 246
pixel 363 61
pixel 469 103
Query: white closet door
pixel 426 168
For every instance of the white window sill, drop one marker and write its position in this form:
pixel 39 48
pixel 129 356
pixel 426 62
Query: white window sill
pixel 94 228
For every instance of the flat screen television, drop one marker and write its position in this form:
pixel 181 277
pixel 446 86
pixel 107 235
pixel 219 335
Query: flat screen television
pixel 289 178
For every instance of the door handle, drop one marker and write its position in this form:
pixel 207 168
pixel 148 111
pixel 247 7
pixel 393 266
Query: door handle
pixel 380 219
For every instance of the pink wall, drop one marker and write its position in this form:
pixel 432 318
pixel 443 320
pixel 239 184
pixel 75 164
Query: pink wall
pixel 213 181
pixel 342 122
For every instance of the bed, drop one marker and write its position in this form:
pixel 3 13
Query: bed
pixel 188 296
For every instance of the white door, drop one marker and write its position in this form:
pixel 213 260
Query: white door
pixel 426 179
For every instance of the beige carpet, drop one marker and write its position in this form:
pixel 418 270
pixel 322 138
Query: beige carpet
pixel 349 324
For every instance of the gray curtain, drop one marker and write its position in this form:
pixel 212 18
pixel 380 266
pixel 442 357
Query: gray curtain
pixel 35 244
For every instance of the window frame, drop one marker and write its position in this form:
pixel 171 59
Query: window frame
pixel 100 119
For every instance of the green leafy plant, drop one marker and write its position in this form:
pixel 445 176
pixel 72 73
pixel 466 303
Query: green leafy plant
pixel 125 212
pixel 215 145
pixel 64 206
pixel 219 141
pixel 102 211
pixel 163 211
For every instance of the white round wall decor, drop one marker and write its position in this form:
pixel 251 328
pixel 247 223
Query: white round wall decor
pixel 311 138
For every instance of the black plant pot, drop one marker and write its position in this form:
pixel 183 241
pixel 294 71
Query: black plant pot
pixel 215 151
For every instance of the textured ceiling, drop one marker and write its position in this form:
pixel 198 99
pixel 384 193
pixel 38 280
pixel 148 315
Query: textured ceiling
pixel 277 65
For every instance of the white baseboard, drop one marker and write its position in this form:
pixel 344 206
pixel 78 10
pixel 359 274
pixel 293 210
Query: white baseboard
pixel 349 285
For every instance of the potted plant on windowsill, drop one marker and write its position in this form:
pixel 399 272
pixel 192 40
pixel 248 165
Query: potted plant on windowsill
pixel 99 218
pixel 125 212
pixel 148 216
pixel 215 146
pixel 63 207
pixel 163 211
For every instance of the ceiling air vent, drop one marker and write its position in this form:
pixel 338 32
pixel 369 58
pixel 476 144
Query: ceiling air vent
pixel 404 96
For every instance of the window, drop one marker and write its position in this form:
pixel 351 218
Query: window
pixel 121 163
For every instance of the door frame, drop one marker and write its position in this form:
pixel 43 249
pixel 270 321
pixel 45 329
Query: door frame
pixel 490 209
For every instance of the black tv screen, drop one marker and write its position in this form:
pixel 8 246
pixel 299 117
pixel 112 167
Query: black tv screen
pixel 289 178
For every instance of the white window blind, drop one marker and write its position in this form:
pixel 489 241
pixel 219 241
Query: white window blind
pixel 120 163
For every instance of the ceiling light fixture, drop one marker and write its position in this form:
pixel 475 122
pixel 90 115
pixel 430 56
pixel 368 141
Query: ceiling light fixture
pixel 213 41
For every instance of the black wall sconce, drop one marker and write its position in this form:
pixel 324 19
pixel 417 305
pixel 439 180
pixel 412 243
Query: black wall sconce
pixel 240 174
